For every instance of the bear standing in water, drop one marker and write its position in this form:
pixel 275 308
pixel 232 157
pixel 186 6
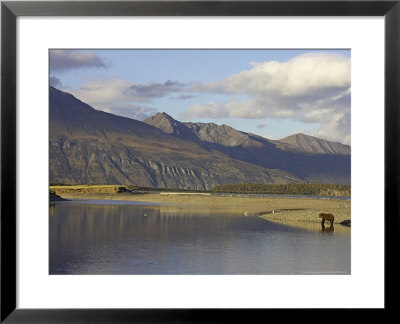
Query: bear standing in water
pixel 328 217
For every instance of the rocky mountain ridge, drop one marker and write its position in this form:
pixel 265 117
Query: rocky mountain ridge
pixel 228 136
pixel 91 146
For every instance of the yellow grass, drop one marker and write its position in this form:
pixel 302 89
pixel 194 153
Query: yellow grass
pixel 59 190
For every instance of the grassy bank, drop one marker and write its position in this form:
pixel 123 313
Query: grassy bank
pixel 83 189
pixel 112 189
pixel 277 209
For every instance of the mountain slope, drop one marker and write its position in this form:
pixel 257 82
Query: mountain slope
pixel 90 146
pixel 308 158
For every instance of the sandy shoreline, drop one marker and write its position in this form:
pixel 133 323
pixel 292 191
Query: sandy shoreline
pixel 276 209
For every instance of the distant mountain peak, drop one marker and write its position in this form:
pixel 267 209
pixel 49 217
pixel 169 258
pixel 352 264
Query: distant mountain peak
pixel 312 144
pixel 301 135
pixel 166 123
pixel 161 115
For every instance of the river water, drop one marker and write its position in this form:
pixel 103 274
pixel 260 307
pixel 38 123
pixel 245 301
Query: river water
pixel 120 238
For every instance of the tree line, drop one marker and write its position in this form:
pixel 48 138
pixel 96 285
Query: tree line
pixel 309 189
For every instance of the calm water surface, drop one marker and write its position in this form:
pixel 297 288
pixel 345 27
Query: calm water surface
pixel 127 238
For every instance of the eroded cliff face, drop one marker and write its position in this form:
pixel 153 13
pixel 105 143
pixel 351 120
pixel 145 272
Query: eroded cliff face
pixel 84 161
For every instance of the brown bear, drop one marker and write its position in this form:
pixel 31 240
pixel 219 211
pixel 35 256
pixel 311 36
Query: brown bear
pixel 328 217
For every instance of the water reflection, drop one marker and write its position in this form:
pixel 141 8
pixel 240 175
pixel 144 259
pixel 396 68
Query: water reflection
pixel 319 228
pixel 139 239
pixel 329 229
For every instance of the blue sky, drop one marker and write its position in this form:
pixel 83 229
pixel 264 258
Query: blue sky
pixel 272 93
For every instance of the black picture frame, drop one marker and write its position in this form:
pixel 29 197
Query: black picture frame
pixel 10 10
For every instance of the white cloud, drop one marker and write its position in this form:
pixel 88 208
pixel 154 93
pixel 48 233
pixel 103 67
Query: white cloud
pixel 313 88
pixel 335 128
pixel 134 111
pixel 118 90
pixel 271 137
pixel 210 109
pixel 101 93
pixel 114 96
pixel 303 75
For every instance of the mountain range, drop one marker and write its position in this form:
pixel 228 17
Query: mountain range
pixel 92 146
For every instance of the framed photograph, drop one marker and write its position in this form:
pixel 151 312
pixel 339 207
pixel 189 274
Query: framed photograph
pixel 168 161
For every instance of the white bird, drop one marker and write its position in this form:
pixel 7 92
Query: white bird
pixel 246 213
